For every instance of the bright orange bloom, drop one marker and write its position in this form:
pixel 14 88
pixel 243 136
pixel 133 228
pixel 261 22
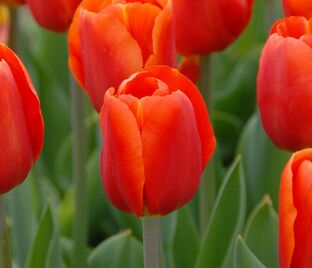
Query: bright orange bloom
pixel 204 26
pixel 13 3
pixel 298 8
pixel 55 15
pixel 284 90
pixel 157 139
pixel 295 212
pixel 109 40
pixel 21 124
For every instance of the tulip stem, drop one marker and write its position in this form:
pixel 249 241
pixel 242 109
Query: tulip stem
pixel 5 256
pixel 151 242
pixel 79 174
pixel 13 29
pixel 207 188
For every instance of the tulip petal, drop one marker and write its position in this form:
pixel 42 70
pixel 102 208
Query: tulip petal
pixel 171 152
pixel 177 81
pixel 164 48
pixel 122 166
pixel 114 55
pixel 16 152
pixel 31 104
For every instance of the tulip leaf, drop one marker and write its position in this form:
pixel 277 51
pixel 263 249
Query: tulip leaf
pixel 226 221
pixel 263 163
pixel 118 251
pixel 21 210
pixel 244 258
pixel 261 233
pixel 185 254
pixel 41 244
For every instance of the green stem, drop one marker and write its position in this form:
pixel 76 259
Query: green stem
pixel 207 188
pixel 5 256
pixel 79 174
pixel 152 242
pixel 13 29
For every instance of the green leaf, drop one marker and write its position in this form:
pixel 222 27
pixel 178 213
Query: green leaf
pixel 263 163
pixel 261 233
pixel 41 244
pixel 226 221
pixel 244 258
pixel 21 210
pixel 118 251
pixel 185 253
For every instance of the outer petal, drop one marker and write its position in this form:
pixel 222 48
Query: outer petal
pixel 177 81
pixel 204 26
pixel 109 60
pixel 30 101
pixel 298 8
pixel 121 161
pixel 284 92
pixel 171 152
pixel 54 15
pixel 295 212
pixel 164 47
pixel 16 151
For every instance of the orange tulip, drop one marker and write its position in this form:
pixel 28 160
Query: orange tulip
pixel 13 3
pixel 157 141
pixel 55 15
pixel 204 26
pixel 284 89
pixel 109 40
pixel 295 212
pixel 21 124
pixel 298 8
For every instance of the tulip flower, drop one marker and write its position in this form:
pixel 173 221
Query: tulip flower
pixel 284 89
pixel 157 141
pixel 21 124
pixel 295 212
pixel 53 15
pixel 110 40
pixel 298 8
pixel 4 24
pixel 12 3
pixel 204 26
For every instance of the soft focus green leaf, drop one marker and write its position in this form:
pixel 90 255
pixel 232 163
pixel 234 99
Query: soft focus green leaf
pixel 186 241
pixel 263 163
pixel 244 258
pixel 118 251
pixel 226 221
pixel 41 244
pixel 261 234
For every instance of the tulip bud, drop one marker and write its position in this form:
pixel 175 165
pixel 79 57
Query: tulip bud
pixel 4 24
pixel 298 8
pixel 110 40
pixel 295 212
pixel 54 15
pixel 284 90
pixel 157 139
pixel 21 123
pixel 204 26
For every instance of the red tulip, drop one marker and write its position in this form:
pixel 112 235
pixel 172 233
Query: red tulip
pixel 110 40
pixel 284 90
pixel 298 8
pixel 13 3
pixel 55 15
pixel 21 124
pixel 157 141
pixel 295 212
pixel 204 26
